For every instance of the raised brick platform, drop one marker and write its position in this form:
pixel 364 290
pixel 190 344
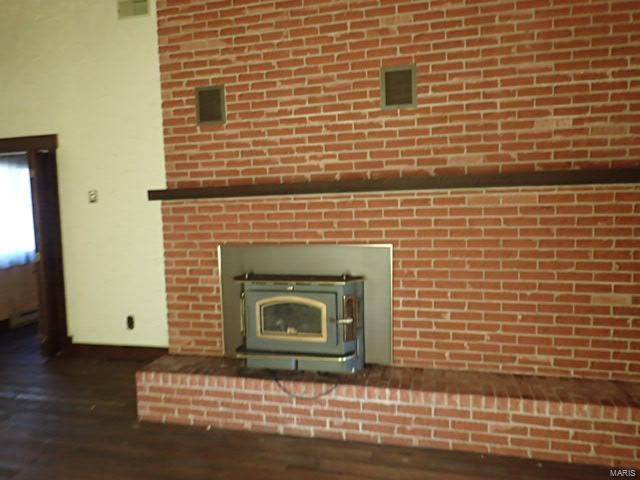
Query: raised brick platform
pixel 581 421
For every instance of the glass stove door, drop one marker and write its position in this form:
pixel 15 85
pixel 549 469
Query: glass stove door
pixel 291 317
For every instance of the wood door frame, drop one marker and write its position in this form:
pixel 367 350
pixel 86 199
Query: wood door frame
pixel 41 152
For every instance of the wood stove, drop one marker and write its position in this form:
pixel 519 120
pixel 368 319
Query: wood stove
pixel 297 322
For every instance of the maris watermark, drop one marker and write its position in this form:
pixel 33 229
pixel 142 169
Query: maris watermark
pixel 623 472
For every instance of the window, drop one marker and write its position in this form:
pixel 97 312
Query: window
pixel 398 87
pixel 210 105
pixel 17 237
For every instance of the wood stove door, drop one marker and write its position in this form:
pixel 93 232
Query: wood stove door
pixel 288 322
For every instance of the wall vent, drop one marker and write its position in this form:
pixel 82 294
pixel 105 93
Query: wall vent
pixel 398 86
pixel 132 8
pixel 210 105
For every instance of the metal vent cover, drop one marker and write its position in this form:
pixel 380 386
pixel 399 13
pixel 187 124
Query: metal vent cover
pixel 132 8
pixel 398 86
pixel 210 107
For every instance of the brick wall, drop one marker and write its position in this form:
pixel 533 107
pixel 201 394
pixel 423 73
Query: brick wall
pixel 536 280
pixel 502 86
pixel 542 280
pixel 549 429
pixel 539 280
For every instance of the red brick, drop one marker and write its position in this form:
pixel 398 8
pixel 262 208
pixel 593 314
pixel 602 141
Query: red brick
pixel 306 109
pixel 416 425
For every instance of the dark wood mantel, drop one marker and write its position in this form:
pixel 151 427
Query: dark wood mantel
pixel 428 182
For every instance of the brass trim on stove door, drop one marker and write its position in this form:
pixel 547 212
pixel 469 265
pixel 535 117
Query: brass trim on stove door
pixel 297 337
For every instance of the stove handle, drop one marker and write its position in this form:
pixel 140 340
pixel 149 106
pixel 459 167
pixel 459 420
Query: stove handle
pixel 243 313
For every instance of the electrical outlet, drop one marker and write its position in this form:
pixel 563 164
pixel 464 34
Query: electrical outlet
pixel 131 322
pixel 93 196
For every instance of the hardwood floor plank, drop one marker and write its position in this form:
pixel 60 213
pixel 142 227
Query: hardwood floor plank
pixel 72 419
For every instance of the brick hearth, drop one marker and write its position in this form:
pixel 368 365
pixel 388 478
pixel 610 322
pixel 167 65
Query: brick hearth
pixel 585 421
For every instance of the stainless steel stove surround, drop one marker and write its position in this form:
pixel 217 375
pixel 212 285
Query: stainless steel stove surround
pixel 298 322
pixel 372 261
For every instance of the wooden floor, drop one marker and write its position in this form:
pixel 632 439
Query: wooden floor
pixel 75 419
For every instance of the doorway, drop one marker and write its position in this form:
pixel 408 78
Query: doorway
pixel 33 160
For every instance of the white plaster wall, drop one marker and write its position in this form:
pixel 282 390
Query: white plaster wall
pixel 73 68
